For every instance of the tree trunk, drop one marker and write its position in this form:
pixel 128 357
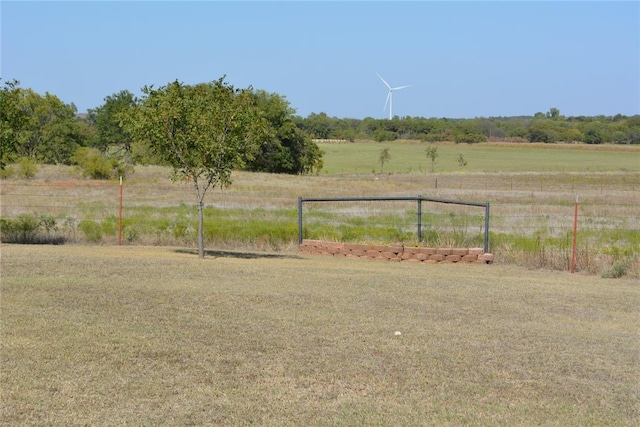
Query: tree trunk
pixel 200 230
pixel 200 204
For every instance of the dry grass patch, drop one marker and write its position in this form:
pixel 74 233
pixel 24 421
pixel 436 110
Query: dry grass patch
pixel 154 336
pixel 531 212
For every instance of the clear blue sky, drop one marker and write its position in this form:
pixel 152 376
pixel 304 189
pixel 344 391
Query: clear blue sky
pixel 464 59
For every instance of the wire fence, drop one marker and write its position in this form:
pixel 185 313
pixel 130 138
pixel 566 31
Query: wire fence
pixel 99 200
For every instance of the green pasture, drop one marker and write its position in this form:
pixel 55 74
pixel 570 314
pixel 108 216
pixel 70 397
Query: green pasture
pixel 410 157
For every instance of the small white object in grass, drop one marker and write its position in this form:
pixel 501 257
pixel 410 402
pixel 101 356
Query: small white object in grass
pixel 398 333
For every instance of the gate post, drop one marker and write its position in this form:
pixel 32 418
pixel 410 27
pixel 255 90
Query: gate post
pixel 299 221
pixel 486 228
pixel 420 218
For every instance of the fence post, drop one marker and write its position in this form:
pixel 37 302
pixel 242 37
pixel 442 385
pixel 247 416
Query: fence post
pixel 486 228
pixel 420 218
pixel 299 221
pixel 575 232
pixel 120 216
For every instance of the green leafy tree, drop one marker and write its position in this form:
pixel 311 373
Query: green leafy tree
pixel 203 131
pixel 543 130
pixel 368 126
pixel 87 135
pixel 49 133
pixel 345 129
pixel 571 134
pixel 432 155
pixel 554 114
pixel 286 148
pixel 517 128
pixel 593 136
pixel 12 119
pixel 319 125
pixel 461 160
pixel 107 118
pixel 39 127
pixel 384 157
pixel 381 135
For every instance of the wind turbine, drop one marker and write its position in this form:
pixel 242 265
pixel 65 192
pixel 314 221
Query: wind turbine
pixel 390 96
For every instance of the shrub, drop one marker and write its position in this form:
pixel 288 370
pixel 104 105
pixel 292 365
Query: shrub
pixel 91 229
pixel 93 164
pixel 541 132
pixel 28 229
pixel 593 136
pixel 131 234
pixel 435 137
pixel 623 258
pixel 20 230
pixel 381 135
pixel 469 138
pixel 618 270
pixel 110 226
pixel 181 230
pixel 49 223
pixel 7 173
pixel 27 168
pixel 69 227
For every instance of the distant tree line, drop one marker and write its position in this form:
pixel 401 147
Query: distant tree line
pixel 550 127
pixel 43 129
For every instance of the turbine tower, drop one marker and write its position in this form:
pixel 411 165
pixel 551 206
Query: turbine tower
pixel 390 96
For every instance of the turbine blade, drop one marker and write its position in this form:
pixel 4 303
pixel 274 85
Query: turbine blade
pixel 384 81
pixel 400 87
pixel 387 101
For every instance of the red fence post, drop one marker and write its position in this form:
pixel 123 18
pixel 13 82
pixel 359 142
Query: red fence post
pixel 120 216
pixel 575 232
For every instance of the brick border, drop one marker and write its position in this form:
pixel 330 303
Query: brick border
pixel 396 253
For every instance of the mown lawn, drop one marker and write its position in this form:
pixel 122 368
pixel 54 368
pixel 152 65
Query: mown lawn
pixel 136 335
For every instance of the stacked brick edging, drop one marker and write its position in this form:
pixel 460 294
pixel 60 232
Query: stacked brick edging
pixel 398 253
